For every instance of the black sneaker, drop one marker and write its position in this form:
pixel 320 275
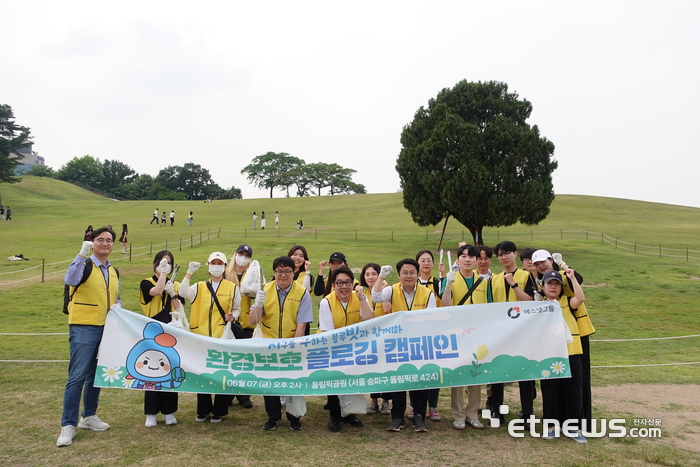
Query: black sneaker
pixel 216 419
pixel 246 403
pixel 294 423
pixel 334 424
pixel 419 424
pixel 352 420
pixel 396 424
pixel 271 424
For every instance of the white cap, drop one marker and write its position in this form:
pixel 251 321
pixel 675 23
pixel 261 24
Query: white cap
pixel 217 255
pixel 540 255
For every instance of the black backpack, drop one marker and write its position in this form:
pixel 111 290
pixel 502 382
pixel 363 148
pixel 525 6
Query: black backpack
pixel 67 295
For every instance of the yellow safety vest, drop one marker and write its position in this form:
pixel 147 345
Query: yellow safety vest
pixel 344 316
pixel 155 306
pixel 205 318
pixel 460 289
pixel 277 324
pixel 420 299
pixel 93 298
pixel 498 286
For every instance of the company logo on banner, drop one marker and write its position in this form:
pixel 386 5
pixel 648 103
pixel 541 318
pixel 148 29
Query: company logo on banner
pixel 441 347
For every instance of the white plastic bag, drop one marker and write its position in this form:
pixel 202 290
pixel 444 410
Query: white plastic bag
pixel 178 318
pixel 296 405
pixel 228 332
pixel 352 404
pixel 257 332
pixel 252 280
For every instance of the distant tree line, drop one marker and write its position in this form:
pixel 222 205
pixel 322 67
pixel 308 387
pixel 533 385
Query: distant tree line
pixel 186 182
pixel 282 171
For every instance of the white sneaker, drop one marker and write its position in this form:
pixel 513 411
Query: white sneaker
pixel 459 424
pixel 93 423
pixel 170 419
pixel 151 421
pixel 66 437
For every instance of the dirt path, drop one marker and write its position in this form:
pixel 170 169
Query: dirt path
pixel 678 407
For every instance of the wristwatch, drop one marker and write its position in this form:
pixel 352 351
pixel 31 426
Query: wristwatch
pixel 514 286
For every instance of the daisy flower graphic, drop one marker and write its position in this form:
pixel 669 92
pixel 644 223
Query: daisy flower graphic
pixel 111 374
pixel 558 367
pixel 545 373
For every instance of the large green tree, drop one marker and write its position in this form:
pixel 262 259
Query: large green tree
pixel 116 178
pixel 12 138
pixel 471 155
pixel 85 170
pixel 271 170
pixel 191 180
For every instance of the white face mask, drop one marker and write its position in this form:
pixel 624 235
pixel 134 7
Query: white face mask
pixel 216 269
pixel 242 261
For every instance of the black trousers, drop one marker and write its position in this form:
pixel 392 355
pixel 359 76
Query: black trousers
pixel 218 409
pixel 155 402
pixel 419 399
pixel 566 392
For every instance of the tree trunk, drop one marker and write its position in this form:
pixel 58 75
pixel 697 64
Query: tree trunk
pixel 443 233
pixel 271 188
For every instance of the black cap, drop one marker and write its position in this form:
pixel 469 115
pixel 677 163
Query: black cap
pixel 550 276
pixel 338 256
pixel 245 248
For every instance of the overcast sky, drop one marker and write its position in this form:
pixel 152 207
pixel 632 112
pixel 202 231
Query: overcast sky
pixel 156 83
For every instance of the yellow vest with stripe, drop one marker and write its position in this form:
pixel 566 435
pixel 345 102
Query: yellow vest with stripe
pixel 460 289
pixel 420 299
pixel 378 308
pixel 498 286
pixel 155 306
pixel 344 316
pixel 205 318
pixel 575 346
pixel 583 321
pixel 91 302
pixel 278 323
pixel 300 278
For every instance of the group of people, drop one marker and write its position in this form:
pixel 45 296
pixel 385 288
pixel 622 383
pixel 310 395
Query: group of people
pixel 164 216
pixel 282 308
pixel 262 220
pixel 5 214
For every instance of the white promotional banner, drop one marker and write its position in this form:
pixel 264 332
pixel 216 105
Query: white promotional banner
pixel 441 347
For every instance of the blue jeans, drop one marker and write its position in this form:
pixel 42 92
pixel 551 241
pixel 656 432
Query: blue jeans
pixel 84 342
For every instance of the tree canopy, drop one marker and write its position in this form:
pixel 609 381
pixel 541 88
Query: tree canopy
pixel 13 137
pixel 271 170
pixel 471 155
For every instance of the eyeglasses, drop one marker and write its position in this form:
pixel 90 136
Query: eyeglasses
pixel 422 261
pixel 285 272
pixel 526 260
pixel 408 273
pixel 343 283
pixel 103 240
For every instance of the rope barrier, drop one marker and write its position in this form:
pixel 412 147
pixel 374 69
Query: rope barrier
pixel 651 364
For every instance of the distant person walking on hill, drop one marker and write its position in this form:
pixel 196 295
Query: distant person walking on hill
pixel 277 219
pixel 300 224
pixel 123 238
pixel 190 218
pixel 8 214
pixel 255 220
pixel 162 218
pixel 155 216
pixel 2 213
pixel 262 220
pixel 88 234
pixel 172 218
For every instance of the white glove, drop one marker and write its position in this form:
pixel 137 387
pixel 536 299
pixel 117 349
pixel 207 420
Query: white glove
pixel 170 288
pixel 163 266
pixel 85 249
pixel 386 270
pixel 193 267
pixel 557 258
pixel 450 278
pixel 260 298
